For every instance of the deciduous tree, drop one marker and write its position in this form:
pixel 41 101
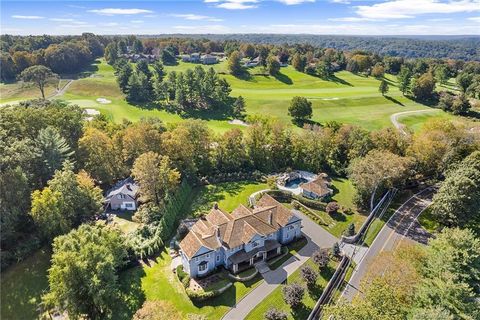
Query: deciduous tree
pixel 40 76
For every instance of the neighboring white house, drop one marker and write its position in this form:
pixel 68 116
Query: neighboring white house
pixel 123 196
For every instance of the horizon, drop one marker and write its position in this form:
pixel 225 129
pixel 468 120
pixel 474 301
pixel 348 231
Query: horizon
pixel 377 18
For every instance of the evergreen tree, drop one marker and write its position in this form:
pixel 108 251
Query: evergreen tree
pixel 404 78
pixel 54 150
pixel 383 88
pixel 239 107
pixel 234 65
pixel 138 87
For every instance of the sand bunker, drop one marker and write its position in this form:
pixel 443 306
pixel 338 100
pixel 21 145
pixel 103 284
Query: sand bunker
pixel 327 99
pixel 92 112
pixel 103 101
pixel 239 122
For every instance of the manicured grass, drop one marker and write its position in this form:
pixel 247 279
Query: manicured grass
pixel 275 299
pixel 346 98
pixel 292 248
pixel 228 195
pixel 124 221
pixel 158 282
pixel 344 192
pixel 416 121
pixel 22 286
pixel 337 223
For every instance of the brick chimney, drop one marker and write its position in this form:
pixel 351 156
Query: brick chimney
pixel 215 205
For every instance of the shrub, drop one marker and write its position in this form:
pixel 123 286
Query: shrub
pixel 336 249
pixel 180 273
pixel 293 294
pixel 275 314
pixel 309 275
pixel 186 281
pixel 314 204
pixel 321 258
pixel 201 295
pixel 351 230
pixel 332 207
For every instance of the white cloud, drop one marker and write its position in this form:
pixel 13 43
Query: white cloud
pixel 341 1
pixel 119 11
pixel 136 21
pixel 191 16
pixel 401 9
pixel 62 19
pixel 27 17
pixel 476 19
pixel 294 2
pixel 352 19
pixel 439 19
pixel 234 4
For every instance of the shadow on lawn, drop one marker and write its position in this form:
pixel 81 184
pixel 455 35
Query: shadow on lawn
pixel 283 78
pixel 394 100
pixel 131 295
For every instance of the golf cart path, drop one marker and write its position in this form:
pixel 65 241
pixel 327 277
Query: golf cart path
pixel 61 91
pixel 400 126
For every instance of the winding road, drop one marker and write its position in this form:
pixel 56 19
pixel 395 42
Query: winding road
pixel 402 224
pixel 400 126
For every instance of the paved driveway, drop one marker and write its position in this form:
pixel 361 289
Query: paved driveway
pixel 316 236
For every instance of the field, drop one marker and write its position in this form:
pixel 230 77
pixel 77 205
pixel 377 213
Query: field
pixel 347 98
pixel 22 286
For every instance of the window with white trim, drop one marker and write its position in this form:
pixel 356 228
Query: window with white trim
pixel 202 267
pixel 218 257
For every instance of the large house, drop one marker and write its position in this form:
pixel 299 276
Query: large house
pixel 122 196
pixel 318 188
pixel 238 240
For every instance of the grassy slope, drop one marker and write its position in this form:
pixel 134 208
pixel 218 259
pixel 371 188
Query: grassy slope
pixel 157 282
pixel 22 286
pixel 228 195
pixel 15 92
pixel 348 98
pixel 275 299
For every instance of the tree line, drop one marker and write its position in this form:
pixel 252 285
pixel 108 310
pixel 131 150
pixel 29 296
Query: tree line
pixel 66 54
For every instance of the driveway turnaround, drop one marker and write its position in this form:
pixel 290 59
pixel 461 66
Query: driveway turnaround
pixel 403 224
pixel 316 236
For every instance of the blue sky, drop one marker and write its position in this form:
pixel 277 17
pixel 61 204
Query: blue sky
pixel 348 17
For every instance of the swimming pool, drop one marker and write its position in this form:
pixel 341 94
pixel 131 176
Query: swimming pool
pixel 295 183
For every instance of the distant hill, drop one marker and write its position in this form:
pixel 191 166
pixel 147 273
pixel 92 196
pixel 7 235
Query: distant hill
pixel 454 47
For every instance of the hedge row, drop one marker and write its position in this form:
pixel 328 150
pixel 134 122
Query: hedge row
pixel 183 277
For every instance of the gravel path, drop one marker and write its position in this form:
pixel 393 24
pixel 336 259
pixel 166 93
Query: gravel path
pixel 60 92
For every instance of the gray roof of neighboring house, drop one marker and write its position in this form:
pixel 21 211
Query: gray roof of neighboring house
pixel 127 186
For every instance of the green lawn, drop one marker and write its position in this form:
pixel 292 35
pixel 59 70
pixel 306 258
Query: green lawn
pixel 157 282
pixel 15 92
pixel 228 195
pixel 347 98
pixel 336 224
pixel 22 286
pixel 416 121
pixel 275 299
